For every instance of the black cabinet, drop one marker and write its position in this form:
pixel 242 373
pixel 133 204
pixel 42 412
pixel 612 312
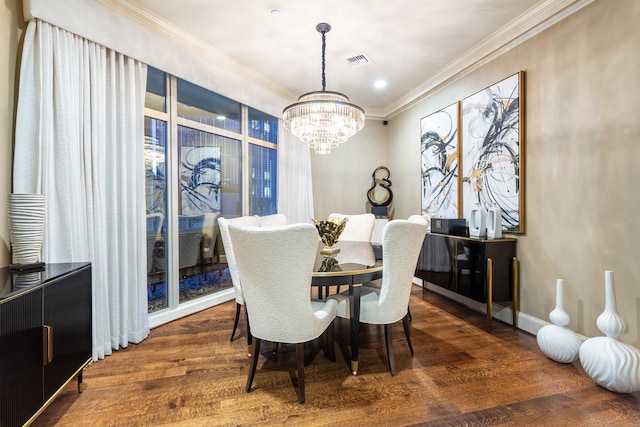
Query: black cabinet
pixel 45 336
pixel 485 270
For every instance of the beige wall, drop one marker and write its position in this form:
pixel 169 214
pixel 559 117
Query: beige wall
pixel 11 27
pixel 342 178
pixel 582 151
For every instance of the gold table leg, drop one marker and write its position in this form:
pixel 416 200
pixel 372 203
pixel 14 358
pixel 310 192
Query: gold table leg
pixel 489 293
pixel 515 283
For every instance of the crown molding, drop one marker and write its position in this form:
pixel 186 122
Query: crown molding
pixel 163 27
pixel 535 20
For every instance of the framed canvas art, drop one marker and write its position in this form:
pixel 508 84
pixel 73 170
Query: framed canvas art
pixel 439 151
pixel 492 147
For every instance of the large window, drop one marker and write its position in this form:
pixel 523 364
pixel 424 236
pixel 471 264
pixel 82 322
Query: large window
pixel 197 171
pixel 263 162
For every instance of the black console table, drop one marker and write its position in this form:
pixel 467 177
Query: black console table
pixel 485 270
pixel 45 336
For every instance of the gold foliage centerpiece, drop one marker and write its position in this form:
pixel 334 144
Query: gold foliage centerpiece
pixel 329 231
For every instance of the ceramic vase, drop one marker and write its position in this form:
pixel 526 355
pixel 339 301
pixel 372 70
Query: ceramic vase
pixel 478 222
pixel 612 364
pixel 26 214
pixel 556 341
pixel 494 222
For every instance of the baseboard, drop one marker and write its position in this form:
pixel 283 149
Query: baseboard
pixel 190 307
pixel 526 322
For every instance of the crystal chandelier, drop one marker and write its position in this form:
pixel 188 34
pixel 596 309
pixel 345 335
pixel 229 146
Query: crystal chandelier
pixel 323 119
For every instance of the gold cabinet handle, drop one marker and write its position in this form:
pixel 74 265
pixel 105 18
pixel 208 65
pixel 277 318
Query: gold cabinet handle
pixel 47 344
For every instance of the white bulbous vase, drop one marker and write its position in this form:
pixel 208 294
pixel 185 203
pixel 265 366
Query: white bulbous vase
pixel 612 364
pixel 556 341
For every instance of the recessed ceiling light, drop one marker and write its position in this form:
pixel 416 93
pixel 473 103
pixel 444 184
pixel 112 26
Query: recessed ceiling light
pixel 275 12
pixel 380 84
pixel 220 117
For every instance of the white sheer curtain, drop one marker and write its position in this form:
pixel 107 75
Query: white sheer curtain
pixel 79 133
pixel 295 189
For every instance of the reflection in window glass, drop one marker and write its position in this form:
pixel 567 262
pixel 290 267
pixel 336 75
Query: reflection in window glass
pixel 209 186
pixel 263 175
pixel 263 126
pixel 156 202
pixel 210 173
pixel 207 183
pixel 156 96
pixel 203 106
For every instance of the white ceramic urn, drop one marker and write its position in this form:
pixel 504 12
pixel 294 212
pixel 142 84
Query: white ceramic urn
pixel 478 222
pixel 494 222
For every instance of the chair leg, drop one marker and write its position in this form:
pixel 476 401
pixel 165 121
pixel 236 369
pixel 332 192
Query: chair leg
pixel 407 331
pixel 254 362
pixel 300 359
pixel 409 313
pixel 388 338
pixel 329 345
pixel 249 336
pixel 235 322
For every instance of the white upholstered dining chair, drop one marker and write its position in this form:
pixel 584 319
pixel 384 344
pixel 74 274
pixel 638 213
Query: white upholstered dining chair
pixel 276 286
pixel 274 220
pixel 402 241
pixel 250 221
pixel 358 228
pixel 223 223
pixel 420 219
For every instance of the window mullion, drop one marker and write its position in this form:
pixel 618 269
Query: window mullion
pixel 172 197
pixel 246 166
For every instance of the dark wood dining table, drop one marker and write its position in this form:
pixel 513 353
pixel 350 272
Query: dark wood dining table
pixel 354 265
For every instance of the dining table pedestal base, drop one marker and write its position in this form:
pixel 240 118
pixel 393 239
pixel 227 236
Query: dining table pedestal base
pixel 352 274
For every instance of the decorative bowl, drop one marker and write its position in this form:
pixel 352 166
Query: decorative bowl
pixel 330 230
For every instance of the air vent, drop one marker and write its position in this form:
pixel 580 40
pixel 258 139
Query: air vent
pixel 359 60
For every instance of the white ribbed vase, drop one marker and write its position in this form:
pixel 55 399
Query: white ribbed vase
pixel 26 214
pixel 556 341
pixel 612 364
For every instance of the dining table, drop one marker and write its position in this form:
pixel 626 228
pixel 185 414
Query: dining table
pixel 353 265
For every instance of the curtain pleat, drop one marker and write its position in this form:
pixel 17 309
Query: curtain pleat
pixel 79 133
pixel 295 186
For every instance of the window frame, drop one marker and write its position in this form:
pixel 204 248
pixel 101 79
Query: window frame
pixel 175 309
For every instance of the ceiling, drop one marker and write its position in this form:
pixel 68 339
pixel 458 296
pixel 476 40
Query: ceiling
pixel 411 45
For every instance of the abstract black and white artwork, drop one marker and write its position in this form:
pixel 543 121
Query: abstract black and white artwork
pixel 491 162
pixel 439 152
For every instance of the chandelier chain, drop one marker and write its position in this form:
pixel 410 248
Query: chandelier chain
pixel 324 47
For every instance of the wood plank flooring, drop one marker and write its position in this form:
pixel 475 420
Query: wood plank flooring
pixel 187 373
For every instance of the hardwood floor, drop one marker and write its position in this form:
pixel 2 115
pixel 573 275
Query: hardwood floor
pixel 188 373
